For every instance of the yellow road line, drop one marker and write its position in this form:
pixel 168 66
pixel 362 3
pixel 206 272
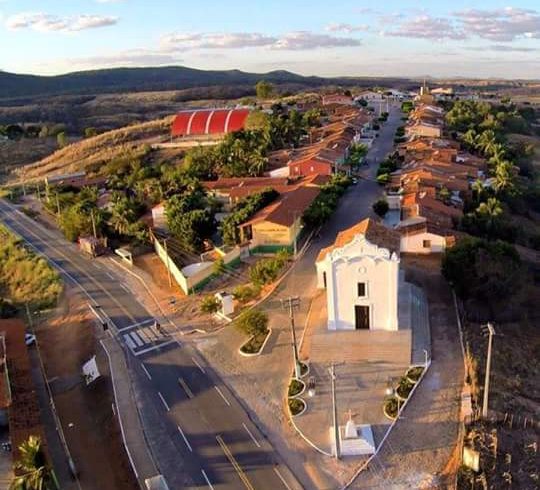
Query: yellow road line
pixel 235 464
pixel 184 385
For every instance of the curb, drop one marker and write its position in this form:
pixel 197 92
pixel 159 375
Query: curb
pixel 134 274
pixel 296 398
pixel 255 354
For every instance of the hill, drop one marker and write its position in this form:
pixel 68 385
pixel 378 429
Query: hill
pixel 140 79
pixel 91 154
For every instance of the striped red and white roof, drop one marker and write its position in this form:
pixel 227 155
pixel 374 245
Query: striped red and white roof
pixel 208 121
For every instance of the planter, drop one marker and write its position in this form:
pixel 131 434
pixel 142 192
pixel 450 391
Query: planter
pixel 304 370
pixel 296 388
pixel 404 389
pixel 297 406
pixel 413 374
pixel 247 343
pixel 391 408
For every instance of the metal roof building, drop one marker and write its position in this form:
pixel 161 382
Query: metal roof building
pixel 202 122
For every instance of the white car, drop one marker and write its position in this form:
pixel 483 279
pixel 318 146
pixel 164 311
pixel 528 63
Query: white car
pixel 29 339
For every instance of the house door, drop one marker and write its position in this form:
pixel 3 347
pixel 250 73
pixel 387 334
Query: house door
pixel 361 316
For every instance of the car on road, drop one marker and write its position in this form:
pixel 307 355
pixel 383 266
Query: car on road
pixel 354 180
pixel 29 339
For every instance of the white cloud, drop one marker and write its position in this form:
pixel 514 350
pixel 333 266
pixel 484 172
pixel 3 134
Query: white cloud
pixel 217 40
pixel 42 22
pixel 505 48
pixel 300 40
pixel 500 24
pixel 427 27
pixel 348 28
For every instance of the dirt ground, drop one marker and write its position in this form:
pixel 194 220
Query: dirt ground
pixel 67 340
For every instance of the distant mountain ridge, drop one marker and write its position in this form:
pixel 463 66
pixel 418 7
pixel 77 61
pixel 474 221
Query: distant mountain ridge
pixel 141 79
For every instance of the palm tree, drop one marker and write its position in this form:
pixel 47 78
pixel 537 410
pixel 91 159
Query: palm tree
pixel 490 211
pixel 122 215
pixel 469 138
pixel 504 180
pixel 478 189
pixel 32 466
pixel 486 141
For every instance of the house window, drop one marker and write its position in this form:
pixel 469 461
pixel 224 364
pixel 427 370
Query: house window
pixel 426 243
pixel 361 289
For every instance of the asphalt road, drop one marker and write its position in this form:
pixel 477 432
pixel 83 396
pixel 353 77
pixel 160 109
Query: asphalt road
pixel 208 439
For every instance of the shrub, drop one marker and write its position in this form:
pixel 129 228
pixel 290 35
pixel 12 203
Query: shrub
pixel 391 407
pixel 414 373
pixel 245 293
pixel 295 387
pixel 380 207
pixel 266 271
pixel 296 405
pixel 404 388
pixel 210 304
pixel 253 322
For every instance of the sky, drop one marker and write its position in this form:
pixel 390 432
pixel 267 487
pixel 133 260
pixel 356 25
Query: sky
pixel 312 37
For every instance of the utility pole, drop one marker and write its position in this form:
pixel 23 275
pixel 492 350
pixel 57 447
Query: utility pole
pixel 93 223
pixel 491 332
pixel 334 410
pixel 168 263
pixel 293 302
pixel 57 204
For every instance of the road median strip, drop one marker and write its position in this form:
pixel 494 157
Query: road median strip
pixel 235 464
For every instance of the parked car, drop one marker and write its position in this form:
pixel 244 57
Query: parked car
pixel 354 180
pixel 29 339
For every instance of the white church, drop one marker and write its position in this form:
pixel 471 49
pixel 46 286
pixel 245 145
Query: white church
pixel 360 273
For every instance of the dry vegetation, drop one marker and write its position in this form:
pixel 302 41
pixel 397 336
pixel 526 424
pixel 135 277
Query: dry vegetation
pixel 13 154
pixel 91 153
pixel 25 277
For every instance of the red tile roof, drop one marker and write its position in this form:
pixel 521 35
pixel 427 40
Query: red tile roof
pixel 287 208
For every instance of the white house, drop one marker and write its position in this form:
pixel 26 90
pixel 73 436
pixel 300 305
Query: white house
pixel 360 273
pixel 419 236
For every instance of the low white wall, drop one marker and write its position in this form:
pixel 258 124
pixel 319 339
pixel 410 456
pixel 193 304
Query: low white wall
pixel 415 243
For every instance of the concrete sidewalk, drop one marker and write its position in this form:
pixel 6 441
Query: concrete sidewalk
pixel 127 413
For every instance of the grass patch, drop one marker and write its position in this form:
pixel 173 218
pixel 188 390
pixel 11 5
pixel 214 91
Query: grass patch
pixel 296 387
pixel 296 405
pixel 24 276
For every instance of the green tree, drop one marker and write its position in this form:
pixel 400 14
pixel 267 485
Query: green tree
pixel 257 121
pixel 90 132
pixel 253 322
pixel 490 212
pixel 61 139
pixel 381 207
pixel 210 304
pixel 482 271
pixel 123 214
pixel 504 179
pixel 264 89
pixel 35 474
pixel 192 228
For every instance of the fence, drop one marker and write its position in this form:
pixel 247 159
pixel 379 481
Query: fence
pixel 191 277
